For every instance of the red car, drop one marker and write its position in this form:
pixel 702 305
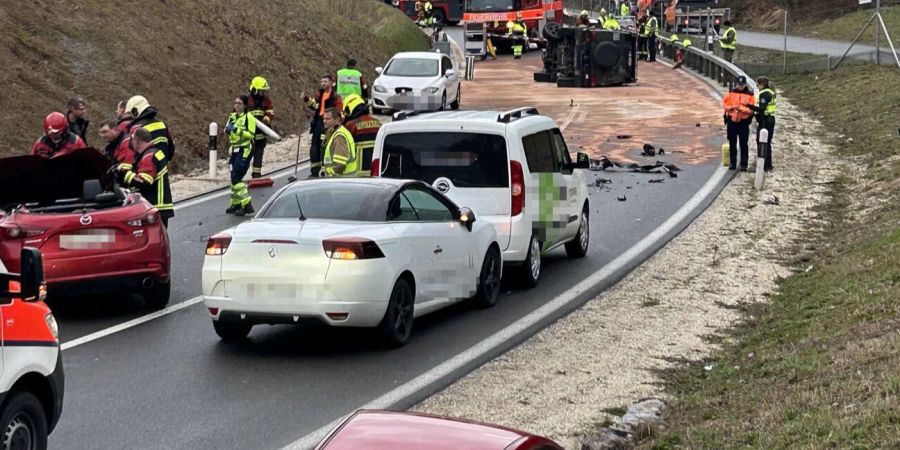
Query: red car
pixel 94 236
pixel 389 430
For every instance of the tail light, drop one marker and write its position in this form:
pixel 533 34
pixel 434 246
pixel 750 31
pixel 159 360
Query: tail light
pixel 217 245
pixel 350 248
pixel 149 218
pixel 375 167
pixel 516 187
pixel 16 231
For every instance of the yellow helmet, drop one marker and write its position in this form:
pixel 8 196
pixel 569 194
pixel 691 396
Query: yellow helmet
pixel 258 84
pixel 687 43
pixel 584 13
pixel 351 102
pixel 603 11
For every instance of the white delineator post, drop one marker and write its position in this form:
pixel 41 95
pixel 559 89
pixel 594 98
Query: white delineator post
pixel 213 148
pixel 763 149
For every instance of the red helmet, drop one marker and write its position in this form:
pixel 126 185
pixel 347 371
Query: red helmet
pixel 55 123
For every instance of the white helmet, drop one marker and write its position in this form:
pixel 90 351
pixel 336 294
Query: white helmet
pixel 136 105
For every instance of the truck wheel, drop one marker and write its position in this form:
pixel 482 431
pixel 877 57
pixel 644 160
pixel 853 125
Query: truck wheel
pixel 530 272
pixel 578 247
pixel 232 331
pixel 157 297
pixel 24 422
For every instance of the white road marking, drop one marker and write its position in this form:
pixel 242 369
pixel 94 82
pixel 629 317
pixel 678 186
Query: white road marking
pixel 131 323
pixel 281 173
pixel 570 117
pixel 497 339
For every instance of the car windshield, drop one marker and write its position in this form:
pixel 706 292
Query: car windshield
pixel 412 67
pixel 467 159
pixel 330 201
pixel 490 5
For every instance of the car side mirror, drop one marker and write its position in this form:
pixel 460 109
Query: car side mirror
pixel 29 285
pixel 378 70
pixel 449 73
pixel 466 217
pixel 582 161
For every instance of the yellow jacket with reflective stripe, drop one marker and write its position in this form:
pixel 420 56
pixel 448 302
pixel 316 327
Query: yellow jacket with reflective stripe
pixel 732 41
pixel 334 161
pixel 245 131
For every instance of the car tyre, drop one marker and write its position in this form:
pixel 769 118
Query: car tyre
pixel 530 272
pixel 455 105
pixel 489 280
pixel 24 422
pixel 396 326
pixel 232 331
pixel 578 247
pixel 444 101
pixel 157 297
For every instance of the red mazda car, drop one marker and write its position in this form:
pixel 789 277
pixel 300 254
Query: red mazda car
pixel 94 236
pixel 389 430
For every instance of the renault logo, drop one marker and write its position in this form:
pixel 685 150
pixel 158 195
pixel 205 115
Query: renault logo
pixel 273 251
pixel 86 219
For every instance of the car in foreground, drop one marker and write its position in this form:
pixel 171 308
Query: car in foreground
pixel 512 168
pixel 349 253
pixel 416 81
pixel 94 236
pixel 390 430
pixel 31 370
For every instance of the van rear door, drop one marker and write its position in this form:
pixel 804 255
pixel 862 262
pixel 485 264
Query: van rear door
pixel 471 168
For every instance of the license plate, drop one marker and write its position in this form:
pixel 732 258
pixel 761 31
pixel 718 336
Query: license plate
pixel 88 240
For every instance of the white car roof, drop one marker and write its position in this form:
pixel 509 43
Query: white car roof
pixel 426 55
pixel 478 119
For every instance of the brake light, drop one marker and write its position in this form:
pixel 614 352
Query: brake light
pixel 217 245
pixel 16 231
pixel 351 248
pixel 516 187
pixel 147 219
pixel 375 167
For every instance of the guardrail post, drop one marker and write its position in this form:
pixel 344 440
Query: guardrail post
pixel 762 150
pixel 213 148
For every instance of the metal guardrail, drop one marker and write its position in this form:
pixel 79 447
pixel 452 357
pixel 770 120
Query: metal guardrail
pixel 705 63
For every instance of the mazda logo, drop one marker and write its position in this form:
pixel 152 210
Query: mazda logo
pixel 442 185
pixel 86 219
pixel 273 251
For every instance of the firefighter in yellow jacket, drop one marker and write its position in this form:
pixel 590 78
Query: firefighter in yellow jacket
pixel 340 158
pixel 241 131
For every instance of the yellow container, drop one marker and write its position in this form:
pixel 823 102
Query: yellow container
pixel 726 154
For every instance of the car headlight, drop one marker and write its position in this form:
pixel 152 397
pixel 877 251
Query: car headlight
pixel 380 88
pixel 52 325
pixel 431 90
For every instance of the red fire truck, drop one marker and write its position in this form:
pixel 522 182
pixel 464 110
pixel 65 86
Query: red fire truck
pixel 496 13
pixel 448 12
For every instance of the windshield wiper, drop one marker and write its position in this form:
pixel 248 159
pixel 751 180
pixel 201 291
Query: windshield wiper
pixel 299 208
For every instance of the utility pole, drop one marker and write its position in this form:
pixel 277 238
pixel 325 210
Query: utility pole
pixel 784 67
pixel 877 34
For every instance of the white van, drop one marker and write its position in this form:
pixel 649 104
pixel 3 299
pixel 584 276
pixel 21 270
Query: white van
pixel 512 168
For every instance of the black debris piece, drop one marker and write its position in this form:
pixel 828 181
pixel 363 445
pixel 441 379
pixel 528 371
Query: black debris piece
pixel 772 201
pixel 649 150
pixel 662 151
pixel 804 143
pixel 697 124
pixel 623 136
pixel 601 181
pixel 657 180
pixel 622 198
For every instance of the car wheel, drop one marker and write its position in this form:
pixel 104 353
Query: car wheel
pixel 396 326
pixel 444 100
pixel 157 297
pixel 489 280
pixel 578 247
pixel 455 104
pixel 231 331
pixel 24 422
pixel 530 272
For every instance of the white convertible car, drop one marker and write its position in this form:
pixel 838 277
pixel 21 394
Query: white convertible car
pixel 350 252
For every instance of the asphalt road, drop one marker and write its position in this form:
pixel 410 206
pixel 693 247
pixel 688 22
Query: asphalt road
pixel 170 382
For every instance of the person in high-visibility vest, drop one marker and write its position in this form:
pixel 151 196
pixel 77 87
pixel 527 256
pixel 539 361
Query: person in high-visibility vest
pixel 766 107
pixel 429 14
pixel 643 52
pixel 737 117
pixel 518 31
pixel 728 42
pixel 652 26
pixel 340 148
pixel 241 131
pixel 351 81
pixel 260 106
pixel 584 19
pixel 625 10
pixel 612 24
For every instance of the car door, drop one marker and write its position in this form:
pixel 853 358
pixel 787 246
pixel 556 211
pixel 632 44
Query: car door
pixel 569 191
pixel 453 247
pixel 420 236
pixel 452 82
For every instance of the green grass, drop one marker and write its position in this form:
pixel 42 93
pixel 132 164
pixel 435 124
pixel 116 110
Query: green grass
pixel 818 367
pixel 846 27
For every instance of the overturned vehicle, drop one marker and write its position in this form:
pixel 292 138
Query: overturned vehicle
pixel 588 57
pixel 95 237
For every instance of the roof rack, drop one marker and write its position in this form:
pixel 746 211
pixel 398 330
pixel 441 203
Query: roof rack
pixel 402 115
pixel 518 113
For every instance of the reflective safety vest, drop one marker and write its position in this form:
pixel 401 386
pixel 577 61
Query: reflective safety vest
pixel 349 82
pixel 772 107
pixel 624 10
pixel 611 24
pixel 244 133
pixel 153 171
pixel 517 28
pixel 329 160
pixel 732 45
pixel 651 27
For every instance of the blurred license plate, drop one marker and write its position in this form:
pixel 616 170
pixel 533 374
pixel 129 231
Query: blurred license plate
pixel 88 240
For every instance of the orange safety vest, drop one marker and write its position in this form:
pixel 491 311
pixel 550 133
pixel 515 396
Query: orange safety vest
pixel 734 104
pixel 325 96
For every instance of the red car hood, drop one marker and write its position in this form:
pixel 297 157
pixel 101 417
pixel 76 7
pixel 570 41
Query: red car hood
pixel 33 178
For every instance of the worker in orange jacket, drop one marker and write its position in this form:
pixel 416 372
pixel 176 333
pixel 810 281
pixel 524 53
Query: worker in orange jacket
pixel 738 117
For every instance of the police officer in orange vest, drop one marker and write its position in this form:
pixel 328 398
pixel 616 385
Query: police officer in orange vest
pixel 738 104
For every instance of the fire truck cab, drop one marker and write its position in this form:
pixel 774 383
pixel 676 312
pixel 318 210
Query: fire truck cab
pixel 31 371
pixel 493 16
pixel 445 12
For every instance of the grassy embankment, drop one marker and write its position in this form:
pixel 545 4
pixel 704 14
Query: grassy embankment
pixel 846 27
pixel 819 366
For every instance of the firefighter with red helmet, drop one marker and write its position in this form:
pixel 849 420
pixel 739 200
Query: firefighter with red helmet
pixel 57 139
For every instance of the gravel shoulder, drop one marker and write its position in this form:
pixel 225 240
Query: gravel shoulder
pixel 609 353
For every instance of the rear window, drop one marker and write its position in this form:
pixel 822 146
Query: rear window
pixel 469 160
pixel 330 201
